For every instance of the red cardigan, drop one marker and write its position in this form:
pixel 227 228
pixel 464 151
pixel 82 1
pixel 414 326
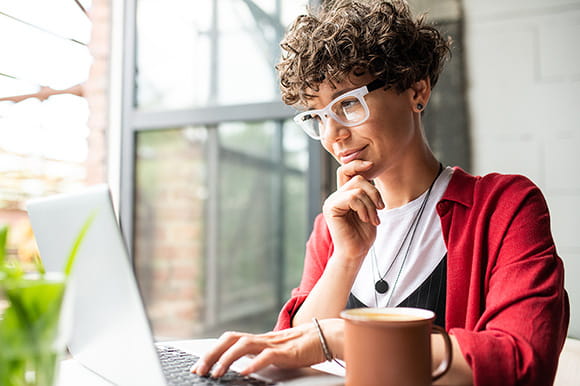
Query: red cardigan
pixel 506 302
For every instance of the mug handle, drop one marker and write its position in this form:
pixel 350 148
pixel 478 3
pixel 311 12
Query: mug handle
pixel 446 362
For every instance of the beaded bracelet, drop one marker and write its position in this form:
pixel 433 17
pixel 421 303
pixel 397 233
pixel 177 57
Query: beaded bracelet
pixel 327 354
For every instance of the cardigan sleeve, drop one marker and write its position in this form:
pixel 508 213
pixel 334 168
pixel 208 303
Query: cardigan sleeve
pixel 318 250
pixel 517 337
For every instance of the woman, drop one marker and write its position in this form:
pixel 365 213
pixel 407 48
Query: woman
pixel 401 229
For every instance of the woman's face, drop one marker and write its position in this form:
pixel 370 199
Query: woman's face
pixel 384 138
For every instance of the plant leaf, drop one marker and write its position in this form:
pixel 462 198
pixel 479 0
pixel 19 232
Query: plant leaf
pixel 38 264
pixel 3 239
pixel 78 242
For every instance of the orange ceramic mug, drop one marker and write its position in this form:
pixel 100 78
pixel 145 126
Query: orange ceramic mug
pixel 391 346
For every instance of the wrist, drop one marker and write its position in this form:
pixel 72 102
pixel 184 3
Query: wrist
pixel 333 332
pixel 347 261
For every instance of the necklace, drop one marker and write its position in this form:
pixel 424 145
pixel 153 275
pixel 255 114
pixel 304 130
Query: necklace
pixel 381 285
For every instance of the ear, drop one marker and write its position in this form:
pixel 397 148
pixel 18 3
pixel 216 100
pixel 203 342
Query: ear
pixel 420 93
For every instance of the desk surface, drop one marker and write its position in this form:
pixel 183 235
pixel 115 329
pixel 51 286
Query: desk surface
pixel 72 373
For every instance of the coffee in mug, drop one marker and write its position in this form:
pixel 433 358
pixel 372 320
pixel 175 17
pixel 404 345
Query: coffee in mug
pixel 391 346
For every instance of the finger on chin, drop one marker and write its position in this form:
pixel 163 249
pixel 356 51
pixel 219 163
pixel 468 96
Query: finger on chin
pixel 348 171
pixel 354 167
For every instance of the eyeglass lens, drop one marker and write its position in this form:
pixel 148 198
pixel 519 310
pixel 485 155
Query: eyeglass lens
pixel 348 110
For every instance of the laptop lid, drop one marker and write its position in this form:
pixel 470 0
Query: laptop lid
pixel 111 334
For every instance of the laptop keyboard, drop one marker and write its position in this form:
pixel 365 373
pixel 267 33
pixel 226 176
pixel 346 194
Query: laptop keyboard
pixel 176 364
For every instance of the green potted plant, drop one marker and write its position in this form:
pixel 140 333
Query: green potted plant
pixel 32 340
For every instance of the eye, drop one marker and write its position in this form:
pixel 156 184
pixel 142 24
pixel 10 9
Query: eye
pixel 310 117
pixel 348 104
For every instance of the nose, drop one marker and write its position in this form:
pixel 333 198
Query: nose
pixel 334 131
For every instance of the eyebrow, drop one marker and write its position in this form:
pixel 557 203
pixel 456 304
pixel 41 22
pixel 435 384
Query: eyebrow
pixel 334 95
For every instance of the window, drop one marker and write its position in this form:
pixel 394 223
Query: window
pixel 43 112
pixel 215 185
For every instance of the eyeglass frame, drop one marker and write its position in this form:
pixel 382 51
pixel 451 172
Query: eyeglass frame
pixel 326 112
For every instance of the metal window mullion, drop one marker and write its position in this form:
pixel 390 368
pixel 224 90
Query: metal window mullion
pixel 213 177
pixel 279 214
pixel 126 195
pixel 210 115
pixel 212 233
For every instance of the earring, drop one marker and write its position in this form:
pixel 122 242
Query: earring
pixel 420 106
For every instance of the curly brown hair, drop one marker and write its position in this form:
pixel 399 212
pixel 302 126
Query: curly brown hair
pixel 355 37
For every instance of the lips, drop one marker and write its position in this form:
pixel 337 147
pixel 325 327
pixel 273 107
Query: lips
pixel 347 156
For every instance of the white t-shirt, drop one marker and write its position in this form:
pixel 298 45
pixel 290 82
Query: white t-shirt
pixel 426 251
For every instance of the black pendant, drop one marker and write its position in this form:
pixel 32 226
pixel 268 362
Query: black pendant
pixel 381 286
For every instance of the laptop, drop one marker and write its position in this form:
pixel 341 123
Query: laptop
pixel 111 334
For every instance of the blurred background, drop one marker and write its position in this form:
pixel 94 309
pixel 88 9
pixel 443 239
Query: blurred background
pixel 175 104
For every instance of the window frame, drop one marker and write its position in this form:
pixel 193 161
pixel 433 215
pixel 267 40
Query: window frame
pixel 135 121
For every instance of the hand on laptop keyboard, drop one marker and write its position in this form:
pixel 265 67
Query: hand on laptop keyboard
pixel 290 348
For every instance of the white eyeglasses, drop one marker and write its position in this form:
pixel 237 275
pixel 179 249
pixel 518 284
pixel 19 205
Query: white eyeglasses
pixel 348 109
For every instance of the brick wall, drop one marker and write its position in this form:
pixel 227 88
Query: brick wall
pixel 169 232
pixel 96 90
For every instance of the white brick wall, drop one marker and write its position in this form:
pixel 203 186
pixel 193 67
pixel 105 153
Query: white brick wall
pixel 523 72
